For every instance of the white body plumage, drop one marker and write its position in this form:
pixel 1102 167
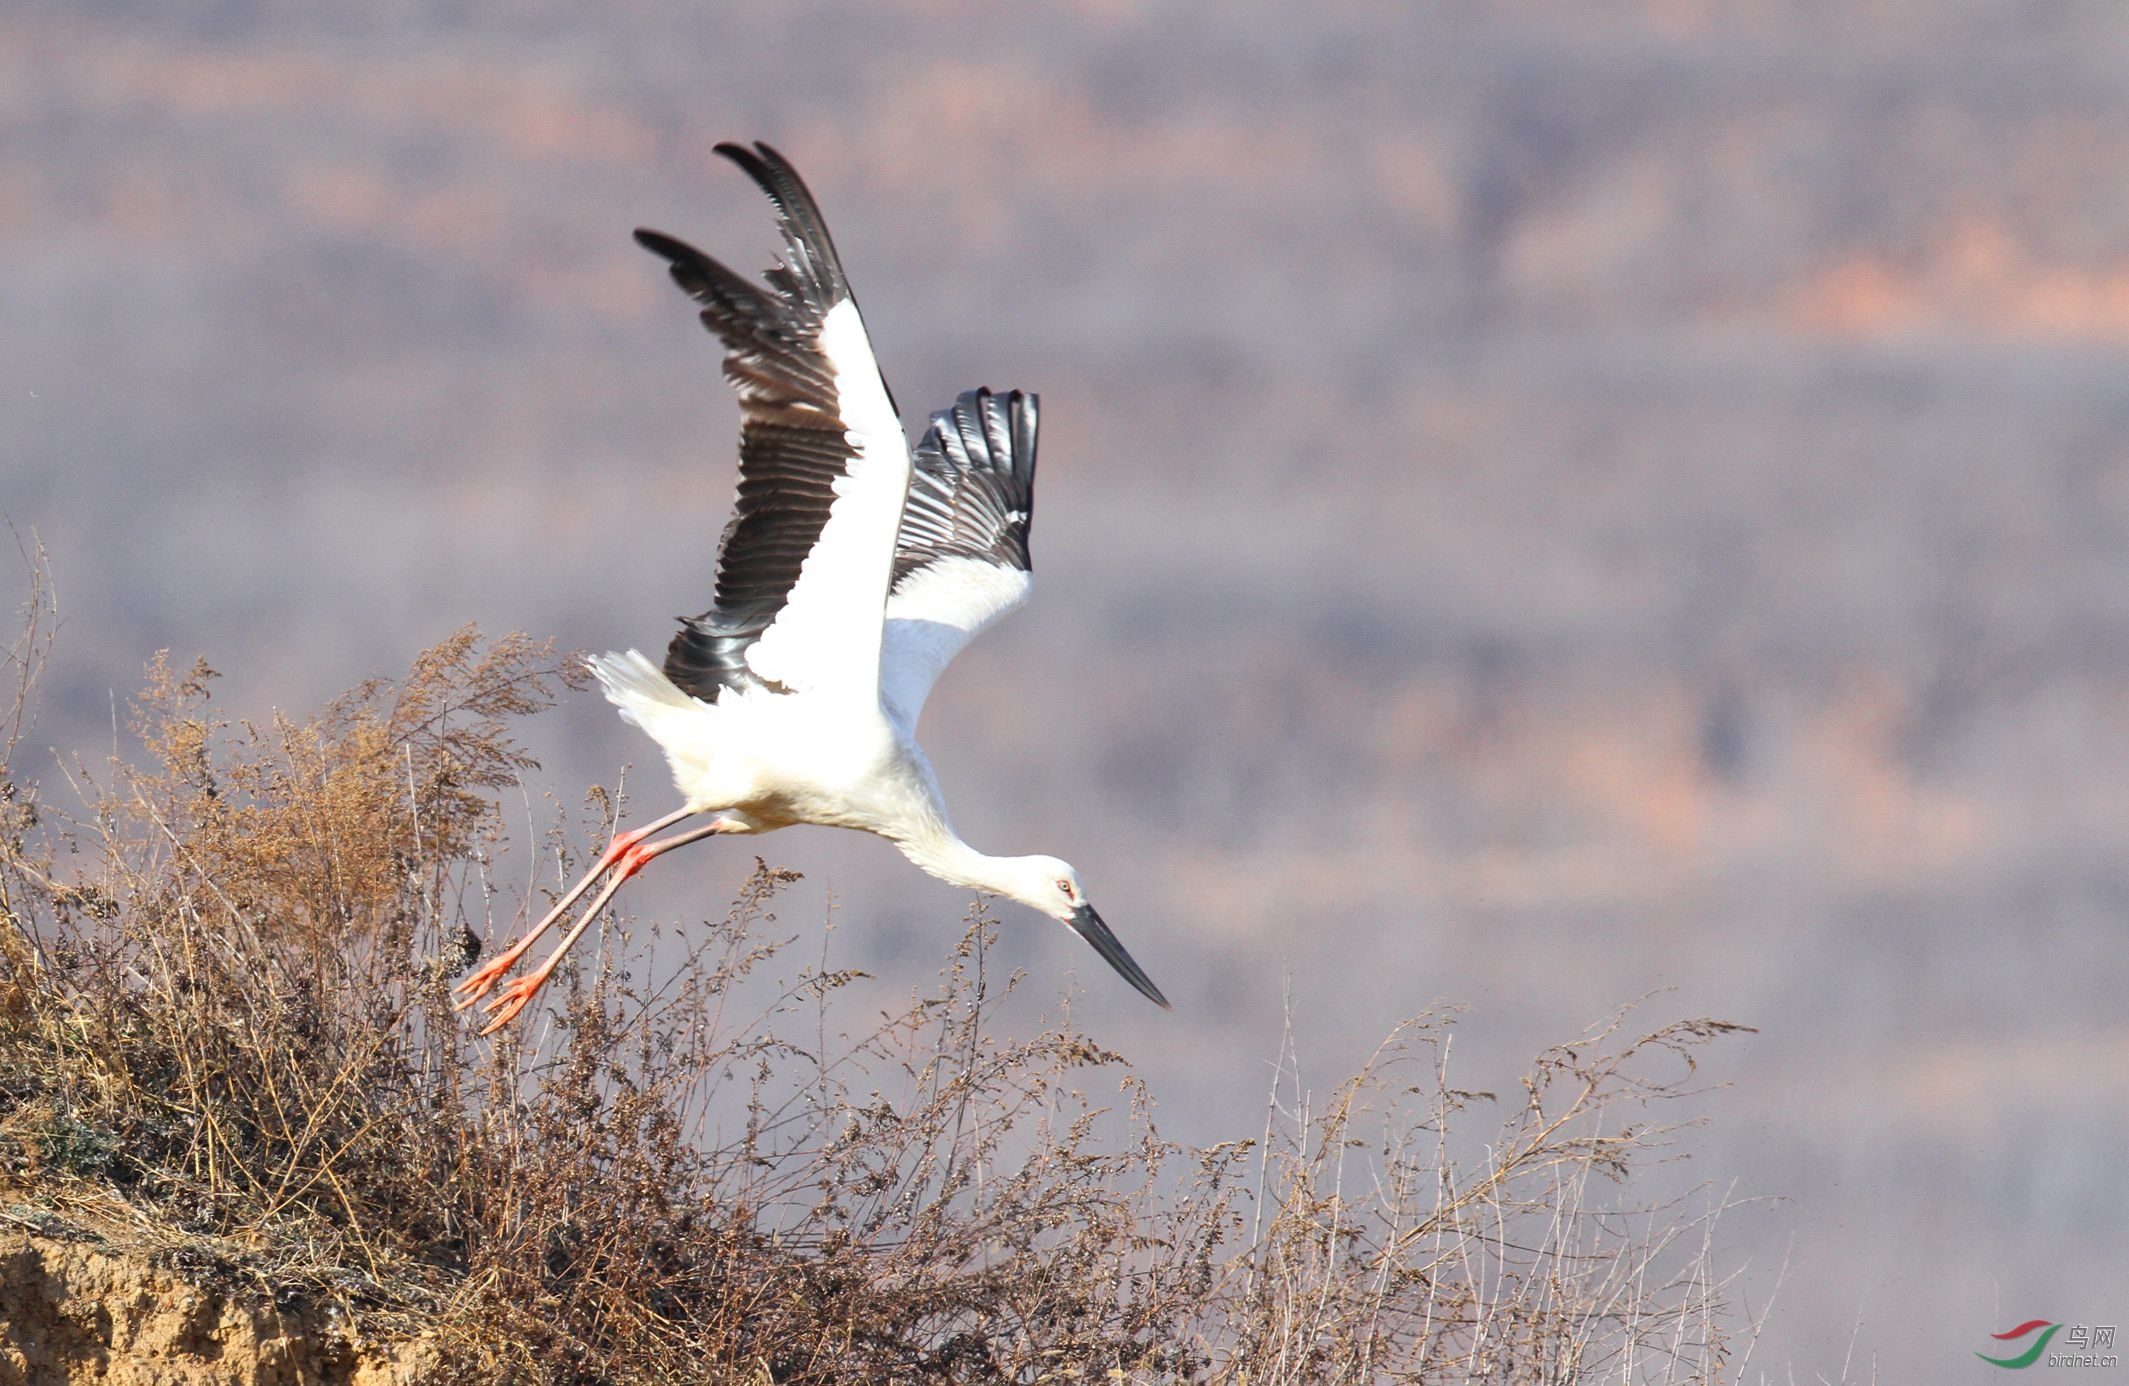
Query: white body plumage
pixel 771 760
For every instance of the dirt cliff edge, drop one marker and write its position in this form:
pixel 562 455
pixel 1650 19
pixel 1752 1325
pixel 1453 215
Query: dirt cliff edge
pixel 79 1311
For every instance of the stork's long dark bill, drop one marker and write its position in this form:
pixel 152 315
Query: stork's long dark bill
pixel 1087 924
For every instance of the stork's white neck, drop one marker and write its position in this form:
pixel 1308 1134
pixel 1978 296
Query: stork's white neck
pixel 934 846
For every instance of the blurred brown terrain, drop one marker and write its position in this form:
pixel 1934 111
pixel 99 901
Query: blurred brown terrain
pixel 1542 502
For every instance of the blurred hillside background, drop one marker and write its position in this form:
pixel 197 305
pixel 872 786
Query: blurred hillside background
pixel 1541 502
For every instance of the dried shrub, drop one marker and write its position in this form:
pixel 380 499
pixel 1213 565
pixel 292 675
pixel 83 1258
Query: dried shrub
pixel 224 1026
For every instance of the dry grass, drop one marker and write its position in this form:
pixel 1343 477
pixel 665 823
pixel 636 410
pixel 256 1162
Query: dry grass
pixel 224 1021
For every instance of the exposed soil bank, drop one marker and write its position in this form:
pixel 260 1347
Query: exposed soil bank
pixel 74 1311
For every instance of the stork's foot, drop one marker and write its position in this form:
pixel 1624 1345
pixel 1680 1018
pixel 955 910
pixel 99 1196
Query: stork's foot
pixel 472 988
pixel 623 858
pixel 511 999
pixel 623 847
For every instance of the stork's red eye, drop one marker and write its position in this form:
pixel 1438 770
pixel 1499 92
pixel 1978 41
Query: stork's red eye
pixel 1066 887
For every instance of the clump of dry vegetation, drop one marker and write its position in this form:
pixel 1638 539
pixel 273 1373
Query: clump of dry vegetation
pixel 224 1022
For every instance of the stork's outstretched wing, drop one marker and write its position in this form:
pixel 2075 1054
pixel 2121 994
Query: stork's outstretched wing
pixel 804 565
pixel 961 561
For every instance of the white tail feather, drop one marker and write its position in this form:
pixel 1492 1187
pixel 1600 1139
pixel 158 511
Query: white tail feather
pixel 639 688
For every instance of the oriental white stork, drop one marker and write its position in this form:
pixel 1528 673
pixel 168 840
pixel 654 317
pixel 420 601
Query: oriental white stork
pixel 850 573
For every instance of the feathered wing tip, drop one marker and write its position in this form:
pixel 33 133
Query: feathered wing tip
pixel 812 273
pixel 972 490
pixel 987 431
pixel 812 251
pixel 771 336
pixel 772 339
pixel 1022 411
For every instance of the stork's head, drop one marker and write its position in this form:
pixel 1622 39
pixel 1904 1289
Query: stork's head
pixel 1046 884
pixel 1052 887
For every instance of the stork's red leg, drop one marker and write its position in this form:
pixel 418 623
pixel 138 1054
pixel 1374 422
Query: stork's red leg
pixel 476 985
pixel 505 1005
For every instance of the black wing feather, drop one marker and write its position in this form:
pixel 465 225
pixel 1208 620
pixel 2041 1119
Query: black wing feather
pixel 792 438
pixel 972 488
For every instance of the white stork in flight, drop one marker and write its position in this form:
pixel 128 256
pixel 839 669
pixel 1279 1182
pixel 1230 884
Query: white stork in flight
pixel 851 572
